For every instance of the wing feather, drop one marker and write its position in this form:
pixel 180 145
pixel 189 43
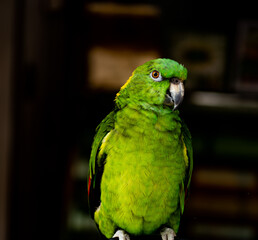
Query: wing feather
pixel 187 138
pixel 96 163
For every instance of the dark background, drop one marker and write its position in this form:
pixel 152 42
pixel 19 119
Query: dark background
pixel 53 52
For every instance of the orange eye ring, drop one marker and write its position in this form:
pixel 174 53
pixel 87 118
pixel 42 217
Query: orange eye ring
pixel 155 74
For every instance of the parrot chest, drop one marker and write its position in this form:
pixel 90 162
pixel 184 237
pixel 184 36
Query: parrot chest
pixel 144 169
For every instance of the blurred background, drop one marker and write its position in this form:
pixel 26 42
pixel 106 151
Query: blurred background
pixel 61 64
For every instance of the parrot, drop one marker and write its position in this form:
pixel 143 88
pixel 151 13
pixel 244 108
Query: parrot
pixel 141 160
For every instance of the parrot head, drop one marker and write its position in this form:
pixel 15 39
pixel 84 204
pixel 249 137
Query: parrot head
pixel 157 82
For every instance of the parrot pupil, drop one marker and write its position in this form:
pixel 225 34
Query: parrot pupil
pixel 155 74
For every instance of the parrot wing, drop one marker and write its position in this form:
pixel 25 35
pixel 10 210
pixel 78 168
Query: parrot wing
pixel 187 138
pixel 96 163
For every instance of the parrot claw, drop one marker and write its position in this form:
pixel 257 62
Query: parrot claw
pixel 167 234
pixel 121 235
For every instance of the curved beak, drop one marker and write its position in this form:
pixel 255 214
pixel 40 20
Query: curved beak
pixel 175 93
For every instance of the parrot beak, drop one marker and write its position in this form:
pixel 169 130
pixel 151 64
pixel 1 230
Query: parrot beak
pixel 175 93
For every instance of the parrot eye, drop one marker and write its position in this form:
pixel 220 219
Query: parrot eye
pixel 156 76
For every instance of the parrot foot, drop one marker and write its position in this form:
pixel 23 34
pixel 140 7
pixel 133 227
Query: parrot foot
pixel 167 234
pixel 121 235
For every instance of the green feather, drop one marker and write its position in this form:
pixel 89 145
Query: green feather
pixel 102 130
pixel 188 143
pixel 182 197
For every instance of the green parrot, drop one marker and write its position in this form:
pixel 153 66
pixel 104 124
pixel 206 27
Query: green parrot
pixel 141 161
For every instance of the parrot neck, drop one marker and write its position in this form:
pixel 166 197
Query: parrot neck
pixel 157 109
pixel 143 117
